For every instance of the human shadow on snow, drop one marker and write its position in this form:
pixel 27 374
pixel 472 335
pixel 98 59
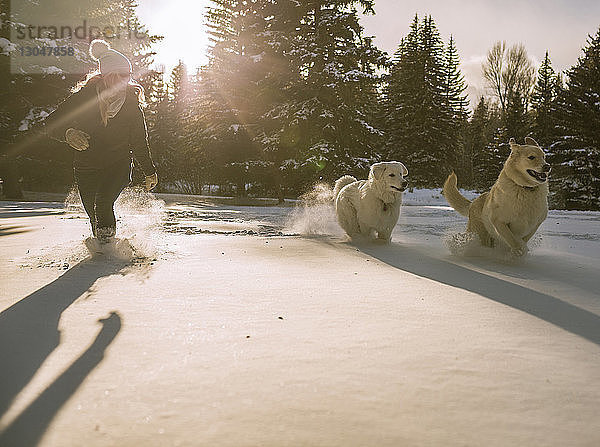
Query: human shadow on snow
pixel 29 427
pixel 553 310
pixel 28 335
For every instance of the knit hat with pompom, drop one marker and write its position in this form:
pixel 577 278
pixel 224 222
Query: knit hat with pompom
pixel 109 60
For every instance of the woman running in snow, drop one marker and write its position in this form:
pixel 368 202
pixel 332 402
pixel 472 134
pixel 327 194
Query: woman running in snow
pixel 104 122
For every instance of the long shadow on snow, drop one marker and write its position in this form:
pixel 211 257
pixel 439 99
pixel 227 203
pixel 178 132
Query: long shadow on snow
pixel 12 229
pixel 560 313
pixel 29 328
pixel 27 209
pixel 543 267
pixel 29 427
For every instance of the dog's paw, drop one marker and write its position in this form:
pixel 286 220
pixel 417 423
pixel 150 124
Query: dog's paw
pixel 519 251
pixel 382 240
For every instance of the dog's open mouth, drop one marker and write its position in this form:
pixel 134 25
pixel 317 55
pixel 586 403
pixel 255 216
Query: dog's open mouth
pixel 402 189
pixel 539 176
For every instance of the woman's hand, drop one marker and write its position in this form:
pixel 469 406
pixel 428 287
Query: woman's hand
pixel 77 139
pixel 151 181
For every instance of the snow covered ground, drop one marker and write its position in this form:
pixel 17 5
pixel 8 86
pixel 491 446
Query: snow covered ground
pixel 264 326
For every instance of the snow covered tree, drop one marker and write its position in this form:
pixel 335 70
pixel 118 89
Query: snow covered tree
pixel 424 103
pixel 576 171
pixel 326 122
pixel 454 83
pixel 281 171
pixel 290 90
pixel 458 106
pixel 226 110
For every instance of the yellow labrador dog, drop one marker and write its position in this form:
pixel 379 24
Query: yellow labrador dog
pixel 517 204
pixel 370 208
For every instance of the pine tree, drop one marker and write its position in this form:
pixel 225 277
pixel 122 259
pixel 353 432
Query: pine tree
pixel 543 102
pixel 478 134
pixel 576 171
pixel 290 90
pixel 228 109
pixel 454 83
pixel 330 107
pixel 458 106
pixel 516 119
pixel 281 170
pixel 167 115
pixel 179 88
pixel 487 163
pixel 423 102
pixel 160 129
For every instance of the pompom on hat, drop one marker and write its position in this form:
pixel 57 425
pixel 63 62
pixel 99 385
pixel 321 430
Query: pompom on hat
pixel 109 60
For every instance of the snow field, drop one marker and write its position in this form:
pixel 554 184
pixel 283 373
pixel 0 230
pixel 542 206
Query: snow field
pixel 236 338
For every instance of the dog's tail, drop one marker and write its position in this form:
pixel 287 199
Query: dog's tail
pixel 340 183
pixel 454 197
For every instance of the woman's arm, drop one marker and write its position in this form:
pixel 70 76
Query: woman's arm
pixel 66 114
pixel 138 140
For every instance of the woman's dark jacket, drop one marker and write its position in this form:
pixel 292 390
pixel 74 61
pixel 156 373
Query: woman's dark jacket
pixel 124 137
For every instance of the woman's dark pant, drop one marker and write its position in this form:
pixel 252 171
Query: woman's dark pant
pixel 99 189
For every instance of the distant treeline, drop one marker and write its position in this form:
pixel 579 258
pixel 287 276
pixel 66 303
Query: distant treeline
pixel 295 93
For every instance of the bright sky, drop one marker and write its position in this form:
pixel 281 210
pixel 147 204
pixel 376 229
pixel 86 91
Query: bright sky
pixel 182 24
pixel 561 26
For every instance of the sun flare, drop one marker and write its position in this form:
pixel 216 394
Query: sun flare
pixel 182 24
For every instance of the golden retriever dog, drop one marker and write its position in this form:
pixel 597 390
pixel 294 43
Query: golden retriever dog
pixel 515 206
pixel 370 208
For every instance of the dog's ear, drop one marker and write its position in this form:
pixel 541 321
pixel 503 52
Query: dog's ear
pixel 377 171
pixel 403 169
pixel 514 147
pixel 512 142
pixel 531 142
